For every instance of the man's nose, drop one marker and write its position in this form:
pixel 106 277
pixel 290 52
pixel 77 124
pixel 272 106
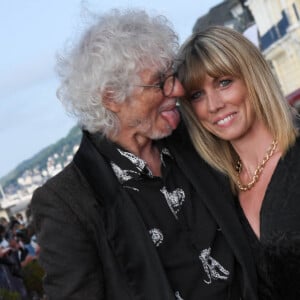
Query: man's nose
pixel 178 90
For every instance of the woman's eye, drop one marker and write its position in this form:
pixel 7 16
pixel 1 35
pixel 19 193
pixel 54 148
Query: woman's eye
pixel 225 82
pixel 195 95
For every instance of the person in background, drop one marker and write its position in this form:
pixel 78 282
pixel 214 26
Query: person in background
pixel 4 221
pixel 242 126
pixel 20 219
pixel 137 214
pixel 11 279
pixel 3 241
pixel 27 250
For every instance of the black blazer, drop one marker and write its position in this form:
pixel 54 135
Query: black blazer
pixel 88 229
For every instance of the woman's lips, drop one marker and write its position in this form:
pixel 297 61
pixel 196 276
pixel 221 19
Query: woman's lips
pixel 224 120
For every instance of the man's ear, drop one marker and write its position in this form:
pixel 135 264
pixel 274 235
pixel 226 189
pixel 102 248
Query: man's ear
pixel 109 102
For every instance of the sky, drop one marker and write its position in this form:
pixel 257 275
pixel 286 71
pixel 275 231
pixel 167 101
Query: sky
pixel 32 33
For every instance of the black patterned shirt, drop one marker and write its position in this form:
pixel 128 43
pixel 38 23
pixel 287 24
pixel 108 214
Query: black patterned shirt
pixel 198 262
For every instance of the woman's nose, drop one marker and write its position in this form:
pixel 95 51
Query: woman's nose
pixel 214 102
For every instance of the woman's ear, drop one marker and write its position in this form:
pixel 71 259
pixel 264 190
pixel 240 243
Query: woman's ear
pixel 109 102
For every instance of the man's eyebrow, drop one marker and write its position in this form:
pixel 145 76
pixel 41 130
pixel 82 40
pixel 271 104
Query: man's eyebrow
pixel 161 73
pixel 157 75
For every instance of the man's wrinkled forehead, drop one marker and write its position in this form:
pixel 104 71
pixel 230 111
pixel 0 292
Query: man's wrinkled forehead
pixel 156 71
pixel 159 65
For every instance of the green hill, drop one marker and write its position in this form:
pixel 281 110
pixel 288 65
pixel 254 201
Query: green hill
pixel 59 151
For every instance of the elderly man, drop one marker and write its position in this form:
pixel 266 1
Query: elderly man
pixel 137 214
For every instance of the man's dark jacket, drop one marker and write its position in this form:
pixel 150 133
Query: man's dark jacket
pixel 94 244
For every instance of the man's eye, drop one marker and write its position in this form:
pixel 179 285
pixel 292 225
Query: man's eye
pixel 159 81
pixel 225 82
pixel 195 95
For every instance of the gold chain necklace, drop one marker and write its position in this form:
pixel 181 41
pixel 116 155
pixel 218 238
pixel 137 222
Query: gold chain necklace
pixel 258 170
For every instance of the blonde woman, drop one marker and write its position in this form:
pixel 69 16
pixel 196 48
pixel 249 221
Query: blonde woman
pixel 241 124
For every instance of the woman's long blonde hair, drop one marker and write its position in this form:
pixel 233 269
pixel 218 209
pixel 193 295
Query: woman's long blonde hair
pixel 219 51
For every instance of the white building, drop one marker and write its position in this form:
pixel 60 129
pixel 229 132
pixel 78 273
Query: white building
pixel 278 24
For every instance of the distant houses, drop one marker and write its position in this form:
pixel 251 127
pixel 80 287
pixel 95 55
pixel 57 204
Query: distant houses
pixel 17 195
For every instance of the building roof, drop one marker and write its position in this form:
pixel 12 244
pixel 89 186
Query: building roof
pixel 221 14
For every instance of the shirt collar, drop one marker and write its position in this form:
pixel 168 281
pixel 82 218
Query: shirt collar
pixel 125 164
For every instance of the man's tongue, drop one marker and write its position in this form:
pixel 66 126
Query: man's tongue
pixel 172 117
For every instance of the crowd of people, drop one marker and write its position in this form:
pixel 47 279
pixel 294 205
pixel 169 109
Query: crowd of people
pixel 18 256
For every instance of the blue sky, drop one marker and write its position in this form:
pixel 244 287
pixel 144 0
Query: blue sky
pixel 32 31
